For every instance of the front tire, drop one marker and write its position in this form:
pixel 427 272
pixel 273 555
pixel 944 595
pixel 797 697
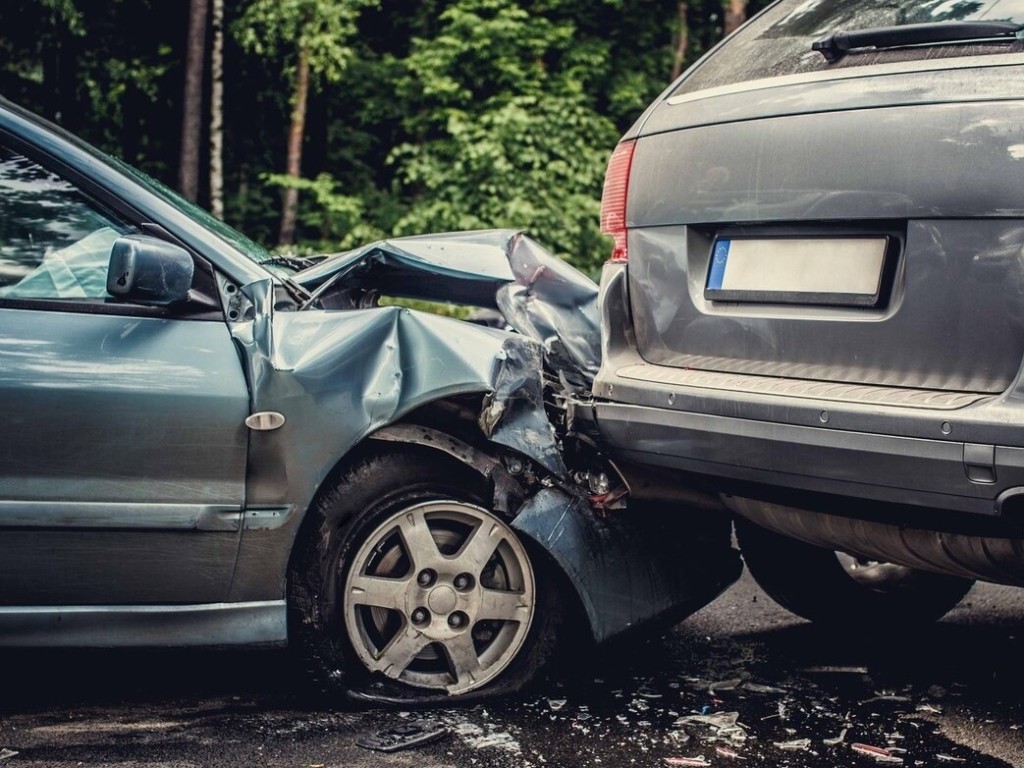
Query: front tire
pixel 405 576
pixel 836 590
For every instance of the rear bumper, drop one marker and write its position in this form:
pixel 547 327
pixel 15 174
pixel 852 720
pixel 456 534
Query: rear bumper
pixel 747 455
pixel 856 458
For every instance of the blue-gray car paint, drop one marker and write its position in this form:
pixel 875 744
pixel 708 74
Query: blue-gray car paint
pixel 325 380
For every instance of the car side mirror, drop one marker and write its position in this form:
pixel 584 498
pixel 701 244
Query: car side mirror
pixel 147 270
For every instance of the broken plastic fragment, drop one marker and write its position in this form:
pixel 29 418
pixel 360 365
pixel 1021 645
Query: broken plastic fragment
pixel 723 752
pixel 881 755
pixel 837 740
pixel 794 744
pixel 556 704
pixel 405 736
pixel 930 708
pixel 724 724
pixel 7 753
pixel 760 688
pixel 698 761
pixel 717 720
pixel 830 669
pixel 725 685
pixel 950 759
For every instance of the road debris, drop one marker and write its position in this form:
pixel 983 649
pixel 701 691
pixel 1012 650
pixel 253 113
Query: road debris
pixel 723 752
pixel 404 736
pixel 556 704
pixel 725 725
pixel 880 754
pixel 949 759
pixel 761 688
pixel 725 685
pixel 831 669
pixel 690 761
pixel 794 744
pixel 475 737
pixel 7 753
pixel 837 739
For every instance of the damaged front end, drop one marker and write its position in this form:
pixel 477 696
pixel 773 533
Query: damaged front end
pixel 511 403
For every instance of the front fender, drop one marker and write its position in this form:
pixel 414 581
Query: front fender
pixel 631 568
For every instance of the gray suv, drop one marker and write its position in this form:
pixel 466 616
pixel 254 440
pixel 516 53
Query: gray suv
pixel 815 305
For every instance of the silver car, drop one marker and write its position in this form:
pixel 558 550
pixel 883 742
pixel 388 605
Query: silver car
pixel 815 305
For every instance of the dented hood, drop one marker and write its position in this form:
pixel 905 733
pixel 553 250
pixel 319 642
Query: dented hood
pixel 538 294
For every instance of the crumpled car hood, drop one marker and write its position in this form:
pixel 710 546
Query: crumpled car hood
pixel 538 294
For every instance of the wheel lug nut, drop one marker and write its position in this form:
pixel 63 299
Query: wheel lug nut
pixel 457 620
pixel 420 616
pixel 426 578
pixel 461 581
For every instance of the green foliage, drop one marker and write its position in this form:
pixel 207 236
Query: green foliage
pixel 504 135
pixel 320 28
pixel 428 116
pixel 339 219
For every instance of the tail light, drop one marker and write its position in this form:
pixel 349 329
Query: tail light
pixel 613 199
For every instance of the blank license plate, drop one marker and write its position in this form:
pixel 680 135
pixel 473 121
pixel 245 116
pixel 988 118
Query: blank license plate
pixel 827 270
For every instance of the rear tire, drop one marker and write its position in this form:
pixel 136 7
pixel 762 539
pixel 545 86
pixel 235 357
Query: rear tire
pixel 403 576
pixel 832 588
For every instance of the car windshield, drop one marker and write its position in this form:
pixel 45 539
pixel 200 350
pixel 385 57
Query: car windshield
pixel 778 41
pixel 243 244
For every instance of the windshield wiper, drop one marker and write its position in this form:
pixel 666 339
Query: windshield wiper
pixel 836 45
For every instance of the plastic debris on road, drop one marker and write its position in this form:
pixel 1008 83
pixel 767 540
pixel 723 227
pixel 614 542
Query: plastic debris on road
pixel 7 753
pixel 723 752
pixel 405 736
pixel 725 725
pixel 837 739
pixel 695 761
pixel 880 754
pixel 794 744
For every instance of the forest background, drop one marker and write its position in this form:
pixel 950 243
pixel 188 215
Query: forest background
pixel 318 125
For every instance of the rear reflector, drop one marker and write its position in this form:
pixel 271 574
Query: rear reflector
pixel 613 200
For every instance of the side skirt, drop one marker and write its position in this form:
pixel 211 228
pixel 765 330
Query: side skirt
pixel 145 626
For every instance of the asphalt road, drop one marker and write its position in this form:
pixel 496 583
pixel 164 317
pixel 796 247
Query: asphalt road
pixel 948 695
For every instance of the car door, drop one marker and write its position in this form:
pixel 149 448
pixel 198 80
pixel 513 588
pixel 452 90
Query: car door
pixel 122 437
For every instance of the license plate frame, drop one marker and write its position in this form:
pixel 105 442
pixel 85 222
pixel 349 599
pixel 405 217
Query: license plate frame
pixel 846 270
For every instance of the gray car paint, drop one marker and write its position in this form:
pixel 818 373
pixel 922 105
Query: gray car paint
pixel 909 412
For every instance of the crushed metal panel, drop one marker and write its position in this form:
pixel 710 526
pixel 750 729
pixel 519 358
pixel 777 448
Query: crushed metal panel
pixel 555 304
pixel 466 267
pixel 338 376
pixel 540 295
pixel 627 569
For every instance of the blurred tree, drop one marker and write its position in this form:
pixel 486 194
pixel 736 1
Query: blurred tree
pixel 192 101
pixel 314 36
pixel 217 112
pixel 505 130
pixel 735 14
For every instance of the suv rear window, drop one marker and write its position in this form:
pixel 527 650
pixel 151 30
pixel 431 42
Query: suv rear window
pixel 778 41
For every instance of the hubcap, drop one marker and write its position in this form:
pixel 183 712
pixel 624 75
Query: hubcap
pixel 460 626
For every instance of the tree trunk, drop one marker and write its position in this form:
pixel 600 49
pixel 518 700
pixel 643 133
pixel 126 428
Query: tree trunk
pixel 735 14
pixel 217 112
pixel 682 41
pixel 192 111
pixel 298 127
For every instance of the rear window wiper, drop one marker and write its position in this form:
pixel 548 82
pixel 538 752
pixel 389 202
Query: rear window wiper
pixel 836 45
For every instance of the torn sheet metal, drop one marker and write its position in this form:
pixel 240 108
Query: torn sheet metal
pixel 338 376
pixel 539 295
pixel 366 368
pixel 627 570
